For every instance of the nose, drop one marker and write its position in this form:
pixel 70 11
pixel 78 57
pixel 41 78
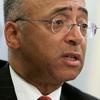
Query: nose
pixel 74 36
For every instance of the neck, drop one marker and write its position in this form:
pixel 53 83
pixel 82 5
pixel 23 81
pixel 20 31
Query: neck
pixel 44 83
pixel 44 86
pixel 46 89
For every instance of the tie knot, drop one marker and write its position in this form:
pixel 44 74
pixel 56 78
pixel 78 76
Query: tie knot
pixel 44 98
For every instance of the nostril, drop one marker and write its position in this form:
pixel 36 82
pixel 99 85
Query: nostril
pixel 73 42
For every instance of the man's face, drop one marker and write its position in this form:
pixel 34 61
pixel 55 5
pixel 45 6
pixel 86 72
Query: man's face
pixel 54 57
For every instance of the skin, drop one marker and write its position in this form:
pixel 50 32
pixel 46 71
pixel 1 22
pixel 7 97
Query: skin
pixel 36 53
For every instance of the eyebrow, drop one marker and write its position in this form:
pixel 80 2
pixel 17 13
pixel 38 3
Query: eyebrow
pixel 83 10
pixel 57 10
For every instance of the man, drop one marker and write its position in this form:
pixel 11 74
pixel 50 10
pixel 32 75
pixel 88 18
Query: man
pixel 46 46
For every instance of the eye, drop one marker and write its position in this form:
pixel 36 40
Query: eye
pixel 83 29
pixel 58 22
pixel 85 26
pixel 57 25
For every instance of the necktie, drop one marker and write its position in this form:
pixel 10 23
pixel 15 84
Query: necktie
pixel 44 98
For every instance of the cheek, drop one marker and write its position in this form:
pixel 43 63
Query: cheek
pixel 37 45
pixel 83 46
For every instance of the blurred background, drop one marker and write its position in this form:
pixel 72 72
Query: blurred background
pixel 89 79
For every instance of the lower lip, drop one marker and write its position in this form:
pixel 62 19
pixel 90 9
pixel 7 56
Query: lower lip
pixel 72 63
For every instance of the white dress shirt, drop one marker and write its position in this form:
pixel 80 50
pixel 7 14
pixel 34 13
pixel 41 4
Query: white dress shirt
pixel 26 91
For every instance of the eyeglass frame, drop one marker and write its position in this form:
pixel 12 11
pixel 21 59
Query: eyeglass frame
pixel 52 21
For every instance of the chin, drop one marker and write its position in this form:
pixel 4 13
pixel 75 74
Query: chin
pixel 73 76
pixel 67 76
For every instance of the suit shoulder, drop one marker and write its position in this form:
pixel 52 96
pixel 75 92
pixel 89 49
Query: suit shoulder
pixel 2 63
pixel 4 69
pixel 73 93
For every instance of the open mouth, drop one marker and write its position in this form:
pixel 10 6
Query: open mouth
pixel 72 58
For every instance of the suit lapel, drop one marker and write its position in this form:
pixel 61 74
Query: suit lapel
pixel 63 93
pixel 63 97
pixel 6 86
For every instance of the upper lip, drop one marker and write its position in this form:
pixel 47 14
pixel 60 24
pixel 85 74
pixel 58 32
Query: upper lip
pixel 73 54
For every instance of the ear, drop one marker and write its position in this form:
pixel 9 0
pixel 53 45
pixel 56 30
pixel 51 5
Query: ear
pixel 11 35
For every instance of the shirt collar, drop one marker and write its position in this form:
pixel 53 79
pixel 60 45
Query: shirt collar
pixel 26 91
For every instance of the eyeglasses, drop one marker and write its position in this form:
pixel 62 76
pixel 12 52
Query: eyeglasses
pixel 61 24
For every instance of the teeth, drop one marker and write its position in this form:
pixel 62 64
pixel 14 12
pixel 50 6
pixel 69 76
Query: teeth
pixel 71 57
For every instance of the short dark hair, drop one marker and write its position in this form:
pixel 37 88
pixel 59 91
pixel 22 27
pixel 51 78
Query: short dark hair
pixel 12 9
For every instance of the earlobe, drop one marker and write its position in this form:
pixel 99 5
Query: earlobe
pixel 11 35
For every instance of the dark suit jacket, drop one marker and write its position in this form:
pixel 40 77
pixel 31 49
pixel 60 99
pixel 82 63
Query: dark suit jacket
pixel 7 91
pixel 2 63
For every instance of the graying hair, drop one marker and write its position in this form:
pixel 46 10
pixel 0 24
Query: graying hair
pixel 12 9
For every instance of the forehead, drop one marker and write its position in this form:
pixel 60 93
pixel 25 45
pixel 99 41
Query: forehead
pixel 43 7
pixel 56 1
